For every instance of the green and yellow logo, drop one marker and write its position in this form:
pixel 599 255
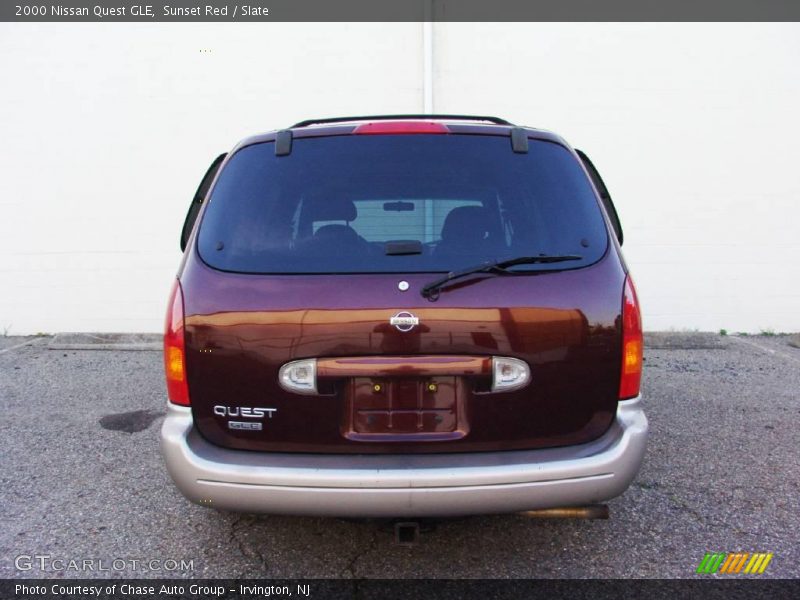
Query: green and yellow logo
pixel 753 563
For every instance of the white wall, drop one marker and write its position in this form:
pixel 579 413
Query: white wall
pixel 696 131
pixel 105 131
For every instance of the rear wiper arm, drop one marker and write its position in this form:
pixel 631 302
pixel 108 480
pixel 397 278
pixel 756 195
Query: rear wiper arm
pixel 431 290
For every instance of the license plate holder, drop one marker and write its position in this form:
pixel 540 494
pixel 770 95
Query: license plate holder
pixel 405 408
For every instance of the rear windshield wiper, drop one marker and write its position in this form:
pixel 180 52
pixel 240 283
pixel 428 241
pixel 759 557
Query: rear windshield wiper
pixel 431 290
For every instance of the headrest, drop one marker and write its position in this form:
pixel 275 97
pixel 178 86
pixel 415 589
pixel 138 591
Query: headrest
pixel 465 222
pixel 331 209
pixel 340 233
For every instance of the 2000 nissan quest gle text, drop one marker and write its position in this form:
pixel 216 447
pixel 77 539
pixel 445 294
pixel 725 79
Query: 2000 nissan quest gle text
pixel 403 316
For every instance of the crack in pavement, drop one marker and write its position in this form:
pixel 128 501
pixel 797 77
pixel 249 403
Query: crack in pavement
pixel 674 500
pixel 245 548
pixel 350 567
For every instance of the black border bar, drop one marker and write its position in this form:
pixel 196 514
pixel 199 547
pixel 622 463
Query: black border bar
pixel 399 10
pixel 706 587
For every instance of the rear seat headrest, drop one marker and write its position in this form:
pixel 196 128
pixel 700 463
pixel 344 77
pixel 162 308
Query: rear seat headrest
pixel 332 209
pixel 465 224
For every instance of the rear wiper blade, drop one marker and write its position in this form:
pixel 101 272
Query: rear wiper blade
pixel 431 290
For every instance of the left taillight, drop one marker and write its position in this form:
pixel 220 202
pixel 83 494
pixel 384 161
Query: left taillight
pixel 175 349
pixel 632 342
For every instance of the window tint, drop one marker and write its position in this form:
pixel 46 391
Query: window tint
pixel 334 203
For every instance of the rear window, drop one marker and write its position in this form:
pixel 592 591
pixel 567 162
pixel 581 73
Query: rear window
pixel 399 204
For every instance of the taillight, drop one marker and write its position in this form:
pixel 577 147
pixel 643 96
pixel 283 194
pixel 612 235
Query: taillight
pixel 175 349
pixel 388 127
pixel 631 343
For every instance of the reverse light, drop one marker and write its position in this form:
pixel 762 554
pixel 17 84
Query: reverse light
pixel 175 349
pixel 389 127
pixel 509 374
pixel 632 343
pixel 299 376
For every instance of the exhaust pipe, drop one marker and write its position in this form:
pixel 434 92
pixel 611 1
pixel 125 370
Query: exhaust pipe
pixel 594 511
pixel 406 533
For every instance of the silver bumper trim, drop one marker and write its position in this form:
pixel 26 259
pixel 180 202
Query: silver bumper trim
pixel 404 485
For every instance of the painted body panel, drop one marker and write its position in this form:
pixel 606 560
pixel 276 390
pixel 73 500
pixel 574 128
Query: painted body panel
pixel 240 329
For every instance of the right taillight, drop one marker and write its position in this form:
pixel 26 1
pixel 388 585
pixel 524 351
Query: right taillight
pixel 175 349
pixel 632 341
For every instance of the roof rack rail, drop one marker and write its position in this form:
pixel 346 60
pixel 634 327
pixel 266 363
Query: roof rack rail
pixel 495 120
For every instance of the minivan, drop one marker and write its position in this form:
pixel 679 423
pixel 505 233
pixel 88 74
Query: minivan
pixel 403 316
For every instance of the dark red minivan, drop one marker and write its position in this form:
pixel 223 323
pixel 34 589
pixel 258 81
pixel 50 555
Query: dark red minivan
pixel 403 316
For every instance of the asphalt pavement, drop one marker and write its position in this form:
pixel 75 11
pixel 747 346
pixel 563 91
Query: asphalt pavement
pixel 81 478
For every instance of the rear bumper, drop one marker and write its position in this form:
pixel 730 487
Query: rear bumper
pixel 404 485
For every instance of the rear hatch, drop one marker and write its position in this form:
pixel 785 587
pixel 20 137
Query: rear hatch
pixel 320 255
